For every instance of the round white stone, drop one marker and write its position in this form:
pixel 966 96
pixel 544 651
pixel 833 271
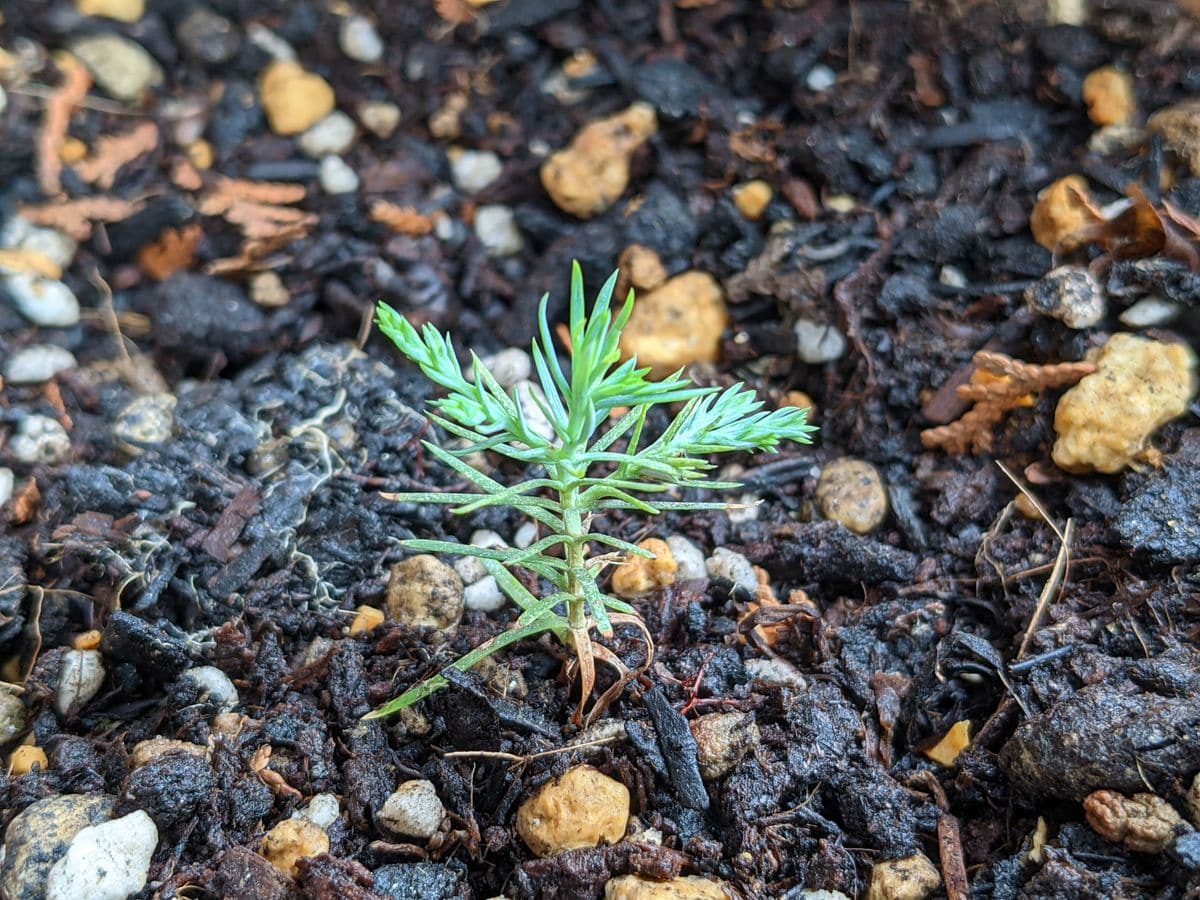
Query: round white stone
pixel 689 559
pixel 55 245
pixel 40 440
pixel 725 563
pixel 820 78
pixel 413 810
pixel 322 810
pixel 497 230
pixel 1150 312
pixel 337 177
pixel 213 685
pixel 37 363
pixel 525 535
pixel 331 136
pixel 483 595
pixel 488 539
pixel 359 40
pixel 80 675
pixel 109 861
pixel 775 672
pixel 817 342
pixel 470 569
pixel 509 366
pixel 379 117
pixel 473 170
pixel 43 301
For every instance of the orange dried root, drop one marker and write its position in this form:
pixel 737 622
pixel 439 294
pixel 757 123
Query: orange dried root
pixel 75 217
pixel 998 385
pixel 59 107
pixel 174 252
pixel 114 151
pixel 401 219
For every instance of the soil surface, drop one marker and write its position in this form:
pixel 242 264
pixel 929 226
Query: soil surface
pixel 201 486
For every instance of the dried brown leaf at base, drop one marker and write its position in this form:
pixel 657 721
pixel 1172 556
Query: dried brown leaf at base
pixel 114 151
pixel 998 385
pixel 173 252
pixel 75 217
pixel 401 219
pixel 59 108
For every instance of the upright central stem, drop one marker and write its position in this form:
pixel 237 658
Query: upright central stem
pixel 575 551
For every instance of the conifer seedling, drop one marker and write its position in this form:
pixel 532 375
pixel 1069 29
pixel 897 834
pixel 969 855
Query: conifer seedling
pixel 591 465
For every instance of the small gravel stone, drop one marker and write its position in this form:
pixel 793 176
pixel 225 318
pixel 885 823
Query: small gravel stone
pixel 413 810
pixel 732 566
pixel 292 840
pixel 488 539
pixel 689 559
pixel 911 878
pixel 525 535
pixel 426 880
pixel 55 245
pixel 851 491
pixel 1070 294
pixel 145 752
pixel 337 177
pixel 293 99
pixel 497 230
pixel 322 810
pixel 509 367
pixel 39 836
pixel 684 887
pixel 267 290
pixel 332 136
pixel 484 595
pixel 379 117
pixel 24 758
pixel 149 419
pixel 109 861
pixel 776 673
pixel 13 716
pixel 637 576
pixel 40 440
pixel 209 37
pixel 470 569
pixel 1144 823
pixel 677 324
pixel 424 592
pixel 1150 312
pixel 8 482
pixel 37 363
pixel 359 40
pixel 473 170
pixel 817 342
pixel 722 739
pixel 213 686
pixel 43 301
pixel 121 67
pixel 80 676
pixel 581 808
pixel 118 10
pixel 820 78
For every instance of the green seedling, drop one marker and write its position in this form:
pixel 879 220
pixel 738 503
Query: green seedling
pixel 588 466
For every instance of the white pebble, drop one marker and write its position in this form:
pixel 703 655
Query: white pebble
pixel 3 101
pixel 689 559
pixel 483 595
pixel 359 40
pixel 952 276
pixel 817 342
pixel 509 366
pixel 820 78
pixel 473 170
pixel 269 42
pixel 331 136
pixel 379 117
pixel 1150 312
pixel 8 482
pixel 488 539
pixel 775 672
pixel 322 810
pixel 37 363
pixel 213 685
pixel 80 675
pixel 337 177
pixel 524 393
pixel 497 230
pixel 55 245
pixel 725 563
pixel 40 440
pixel 525 535
pixel 43 301
pixel 109 861
pixel 470 569
pixel 413 810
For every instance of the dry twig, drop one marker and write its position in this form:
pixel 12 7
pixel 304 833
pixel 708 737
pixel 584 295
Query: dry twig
pixel 114 151
pixel 998 385
pixel 59 107
pixel 401 219
pixel 75 217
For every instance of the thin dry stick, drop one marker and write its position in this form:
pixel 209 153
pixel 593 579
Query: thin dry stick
pixel 517 758
pixel 1053 583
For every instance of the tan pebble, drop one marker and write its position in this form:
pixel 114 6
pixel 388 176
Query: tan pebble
pixel 366 619
pixel 587 178
pixel 1143 823
pixel 267 290
pixel 230 724
pixel 1104 423
pixel 89 640
pixel 1108 93
pixel 801 400
pixel 1179 127
pixel 72 150
pixel 911 878
pixel 678 324
pixel 293 99
pixel 200 154
pixel 1026 507
pixel 424 592
pixel 642 268
pixel 946 751
pixel 1062 210
pixel 582 808
pixel 147 751
pixel 851 491
pixel 722 739
pixel 637 576
pixel 685 887
pixel 118 10
pixel 292 840
pixel 751 198
pixel 24 758
pixel 841 203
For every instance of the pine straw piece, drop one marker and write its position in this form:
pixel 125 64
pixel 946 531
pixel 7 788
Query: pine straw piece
pixel 75 217
pixel 59 108
pixel 401 219
pixel 998 385
pixel 114 151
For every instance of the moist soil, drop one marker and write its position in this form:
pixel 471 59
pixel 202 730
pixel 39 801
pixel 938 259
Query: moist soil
pixel 905 144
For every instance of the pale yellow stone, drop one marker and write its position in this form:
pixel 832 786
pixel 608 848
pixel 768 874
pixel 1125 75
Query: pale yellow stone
pixel 293 99
pixel 1104 423
pixel 423 591
pixel 120 10
pixel 851 491
pixel 1062 209
pixel 292 840
pixel 151 749
pixel 637 576
pixel 366 619
pixel 200 154
pixel 25 757
pixel 72 150
pixel 751 198
pixel 1108 93
pixel 587 177
pixel 685 887
pixel 641 268
pixel 678 324
pixel 911 878
pixel 582 808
